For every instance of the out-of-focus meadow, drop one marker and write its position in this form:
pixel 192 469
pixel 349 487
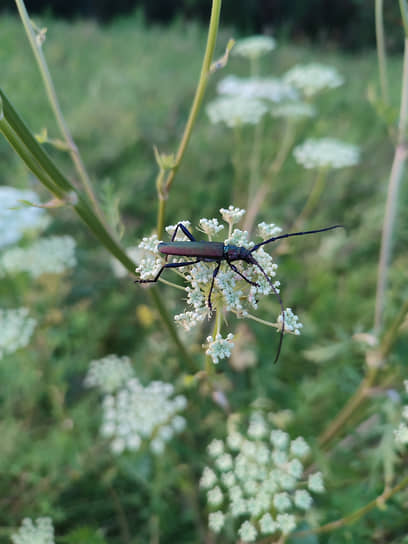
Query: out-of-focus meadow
pixel 125 88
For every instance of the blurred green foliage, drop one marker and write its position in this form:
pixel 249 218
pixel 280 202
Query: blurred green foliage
pixel 124 89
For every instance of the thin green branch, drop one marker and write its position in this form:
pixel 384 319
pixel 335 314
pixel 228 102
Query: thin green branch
pixel 404 14
pixel 53 100
pixel 195 108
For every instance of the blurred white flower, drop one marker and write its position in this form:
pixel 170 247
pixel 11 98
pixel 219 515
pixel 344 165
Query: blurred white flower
pixel 326 153
pixel 268 88
pixel 235 111
pixel 52 255
pixel 109 373
pixel 313 78
pixel 14 222
pixel 39 532
pixel 219 348
pixel 119 271
pixel 257 476
pixel 136 413
pixel 16 329
pixel 254 46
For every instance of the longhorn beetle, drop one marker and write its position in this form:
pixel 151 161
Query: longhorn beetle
pixel 218 252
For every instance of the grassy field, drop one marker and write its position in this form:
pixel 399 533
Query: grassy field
pixel 124 89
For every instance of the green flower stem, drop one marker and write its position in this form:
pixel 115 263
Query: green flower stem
pixel 53 99
pixel 209 364
pixel 236 160
pixel 286 144
pixel 38 162
pixel 378 502
pixel 313 199
pixel 258 320
pixel 195 108
pixel 381 52
pixel 397 172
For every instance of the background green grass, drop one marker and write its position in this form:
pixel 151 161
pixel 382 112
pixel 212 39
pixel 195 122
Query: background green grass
pixel 125 88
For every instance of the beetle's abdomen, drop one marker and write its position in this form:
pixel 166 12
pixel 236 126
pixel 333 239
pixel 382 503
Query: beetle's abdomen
pixel 209 250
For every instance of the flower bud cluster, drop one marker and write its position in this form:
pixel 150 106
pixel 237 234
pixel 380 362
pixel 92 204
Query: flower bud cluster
pixel 255 482
pixel 39 532
pixel 254 46
pixel 326 153
pixel 14 222
pixel 52 255
pixel 132 413
pixel 16 329
pixel 313 78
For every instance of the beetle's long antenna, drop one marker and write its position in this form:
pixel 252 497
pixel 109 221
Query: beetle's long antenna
pixel 257 246
pixel 255 262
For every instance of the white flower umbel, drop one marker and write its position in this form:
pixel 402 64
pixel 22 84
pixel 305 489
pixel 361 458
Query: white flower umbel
pixel 109 373
pixel 136 413
pixel 39 532
pixel 254 46
pixel 326 153
pixel 292 323
pixel 313 78
pixel 219 348
pixel 268 88
pixel 16 329
pixel 236 111
pixel 294 110
pixel 52 255
pixel 230 292
pixel 14 222
pixel 255 480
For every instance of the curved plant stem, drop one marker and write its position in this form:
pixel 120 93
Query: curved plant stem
pixel 378 502
pixel 381 52
pixel 195 108
pixel 53 99
pixel 397 172
pixel 209 364
pixel 40 164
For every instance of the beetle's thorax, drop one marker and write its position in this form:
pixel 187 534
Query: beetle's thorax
pixel 237 253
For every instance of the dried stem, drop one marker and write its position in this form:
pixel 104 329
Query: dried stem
pixel 381 52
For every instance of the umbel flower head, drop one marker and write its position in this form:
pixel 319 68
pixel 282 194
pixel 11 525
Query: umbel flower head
pixel 109 373
pixel 15 219
pixel 16 329
pixel 254 46
pixel 52 255
pixel 313 78
pixel 272 89
pixel 235 111
pixel 255 481
pixel 326 153
pixel 231 292
pixel 39 532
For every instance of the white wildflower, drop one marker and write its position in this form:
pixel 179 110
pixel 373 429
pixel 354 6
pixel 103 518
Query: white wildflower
pixel 215 447
pixel 170 229
pixel 299 447
pixel 267 524
pixel 303 499
pixel 232 215
pixel 109 373
pixel 16 329
pixel 152 260
pixel 268 230
pixel 224 462
pixel 315 482
pixel 313 78
pixel 279 439
pixel 216 521
pixel 188 320
pixel 326 153
pixel 286 522
pixel 14 222
pixel 52 255
pixel 247 532
pixel 39 532
pixel 219 348
pixel 292 323
pixel 282 502
pixel 401 434
pixel 215 496
pixel 136 413
pixel 208 478
pixel 271 89
pixel 210 226
pixel 254 46
pixel 235 111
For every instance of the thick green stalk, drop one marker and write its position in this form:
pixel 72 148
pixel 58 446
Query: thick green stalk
pixel 195 108
pixel 53 99
pixel 397 172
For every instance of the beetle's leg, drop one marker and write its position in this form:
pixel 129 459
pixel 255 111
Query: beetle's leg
pixel 216 270
pixel 185 231
pixel 235 269
pixel 168 265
